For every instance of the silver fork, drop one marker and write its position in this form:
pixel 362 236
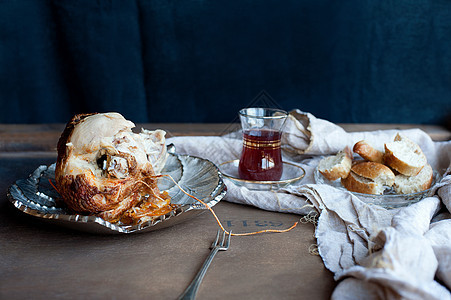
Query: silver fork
pixel 191 290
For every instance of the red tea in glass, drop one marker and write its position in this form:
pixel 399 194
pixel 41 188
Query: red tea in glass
pixel 261 157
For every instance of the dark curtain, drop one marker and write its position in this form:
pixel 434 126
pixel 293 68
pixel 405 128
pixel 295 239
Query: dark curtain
pixel 201 61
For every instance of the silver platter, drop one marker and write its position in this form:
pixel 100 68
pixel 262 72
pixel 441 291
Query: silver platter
pixel 199 177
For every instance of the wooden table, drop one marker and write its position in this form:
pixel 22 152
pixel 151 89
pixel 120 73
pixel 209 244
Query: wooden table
pixel 42 261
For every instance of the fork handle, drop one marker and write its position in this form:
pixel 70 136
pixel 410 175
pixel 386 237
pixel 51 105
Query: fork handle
pixel 191 290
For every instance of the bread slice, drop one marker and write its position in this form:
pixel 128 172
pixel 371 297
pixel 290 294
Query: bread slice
pixel 414 184
pixel 367 152
pixel 404 156
pixel 369 178
pixel 336 166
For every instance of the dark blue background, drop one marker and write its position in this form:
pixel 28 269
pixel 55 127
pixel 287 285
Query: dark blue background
pixel 201 61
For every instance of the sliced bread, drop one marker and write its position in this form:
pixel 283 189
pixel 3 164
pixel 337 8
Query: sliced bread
pixel 367 152
pixel 404 156
pixel 414 184
pixel 336 166
pixel 369 178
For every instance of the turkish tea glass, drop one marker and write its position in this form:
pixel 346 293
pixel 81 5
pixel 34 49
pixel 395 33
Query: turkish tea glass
pixel 261 157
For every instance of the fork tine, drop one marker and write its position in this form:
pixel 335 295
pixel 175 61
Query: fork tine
pixel 223 238
pixel 215 243
pixel 228 240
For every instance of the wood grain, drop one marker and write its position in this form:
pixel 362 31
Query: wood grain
pixel 42 261
pixel 44 137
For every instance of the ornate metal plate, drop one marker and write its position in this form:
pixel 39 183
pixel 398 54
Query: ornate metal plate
pixel 199 177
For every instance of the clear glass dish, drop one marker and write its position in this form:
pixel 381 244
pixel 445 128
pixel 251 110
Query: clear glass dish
pixel 390 199
pixel 291 175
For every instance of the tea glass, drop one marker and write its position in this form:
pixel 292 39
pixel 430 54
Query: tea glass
pixel 261 157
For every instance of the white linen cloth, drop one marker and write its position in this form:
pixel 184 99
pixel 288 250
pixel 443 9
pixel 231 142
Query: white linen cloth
pixel 374 253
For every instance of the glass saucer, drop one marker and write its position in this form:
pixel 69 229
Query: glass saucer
pixel 291 175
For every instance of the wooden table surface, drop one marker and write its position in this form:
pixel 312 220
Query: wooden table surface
pixel 42 261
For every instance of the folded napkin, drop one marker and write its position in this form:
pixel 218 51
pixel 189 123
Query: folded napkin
pixel 373 252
